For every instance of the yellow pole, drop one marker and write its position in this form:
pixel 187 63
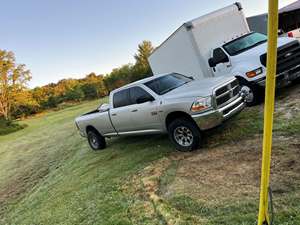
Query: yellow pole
pixel 263 217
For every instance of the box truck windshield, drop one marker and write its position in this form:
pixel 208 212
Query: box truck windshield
pixel 244 43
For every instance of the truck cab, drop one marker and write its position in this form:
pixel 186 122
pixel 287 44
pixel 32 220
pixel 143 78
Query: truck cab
pixel 245 58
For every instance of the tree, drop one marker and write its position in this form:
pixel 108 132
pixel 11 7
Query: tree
pixel 144 51
pixel 13 80
pixel 75 94
pixel 24 105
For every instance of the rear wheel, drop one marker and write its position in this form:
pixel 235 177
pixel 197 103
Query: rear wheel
pixel 184 134
pixel 96 140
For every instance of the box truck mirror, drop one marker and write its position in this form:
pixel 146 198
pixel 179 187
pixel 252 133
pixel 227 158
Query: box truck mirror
pixel 211 62
pixel 219 56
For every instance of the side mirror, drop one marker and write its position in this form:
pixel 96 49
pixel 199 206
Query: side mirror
pixel 145 98
pixel 211 62
pixel 103 108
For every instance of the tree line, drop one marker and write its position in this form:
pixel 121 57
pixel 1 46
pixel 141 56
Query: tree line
pixel 17 100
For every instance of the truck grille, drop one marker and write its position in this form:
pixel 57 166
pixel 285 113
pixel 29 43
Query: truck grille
pixel 288 57
pixel 227 93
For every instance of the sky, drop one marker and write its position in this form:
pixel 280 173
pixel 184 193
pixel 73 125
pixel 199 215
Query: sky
pixel 59 39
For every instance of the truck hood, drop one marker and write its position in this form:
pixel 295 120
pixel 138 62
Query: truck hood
pixel 260 49
pixel 197 88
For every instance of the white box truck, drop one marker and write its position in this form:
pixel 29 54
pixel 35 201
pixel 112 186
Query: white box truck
pixel 220 43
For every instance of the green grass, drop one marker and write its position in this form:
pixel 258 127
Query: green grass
pixel 49 175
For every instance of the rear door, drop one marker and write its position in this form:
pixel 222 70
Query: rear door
pixel 144 115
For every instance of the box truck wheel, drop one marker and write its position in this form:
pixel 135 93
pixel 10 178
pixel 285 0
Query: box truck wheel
pixel 254 94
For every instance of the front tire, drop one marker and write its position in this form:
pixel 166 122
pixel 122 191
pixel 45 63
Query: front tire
pixel 254 95
pixel 184 134
pixel 96 140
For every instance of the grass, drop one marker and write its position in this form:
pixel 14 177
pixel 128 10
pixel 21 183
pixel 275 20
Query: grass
pixel 49 175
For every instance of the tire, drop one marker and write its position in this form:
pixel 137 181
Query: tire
pixel 254 94
pixel 184 134
pixel 96 140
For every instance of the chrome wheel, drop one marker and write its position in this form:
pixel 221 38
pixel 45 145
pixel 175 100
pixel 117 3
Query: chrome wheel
pixel 183 136
pixel 249 95
pixel 94 141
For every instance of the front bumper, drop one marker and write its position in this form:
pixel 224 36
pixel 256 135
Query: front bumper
pixel 213 118
pixel 282 79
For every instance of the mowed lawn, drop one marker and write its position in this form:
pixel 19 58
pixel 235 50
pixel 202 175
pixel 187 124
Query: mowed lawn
pixel 49 175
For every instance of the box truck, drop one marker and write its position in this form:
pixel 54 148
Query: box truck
pixel 220 43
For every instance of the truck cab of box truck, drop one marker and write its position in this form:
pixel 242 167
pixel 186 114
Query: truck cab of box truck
pixel 221 44
pixel 245 58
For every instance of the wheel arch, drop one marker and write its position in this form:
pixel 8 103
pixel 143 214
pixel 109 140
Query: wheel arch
pixel 175 115
pixel 91 128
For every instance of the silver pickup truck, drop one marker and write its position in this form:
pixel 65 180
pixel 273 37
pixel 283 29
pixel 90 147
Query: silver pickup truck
pixel 169 103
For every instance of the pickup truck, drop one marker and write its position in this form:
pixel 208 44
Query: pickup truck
pixel 169 103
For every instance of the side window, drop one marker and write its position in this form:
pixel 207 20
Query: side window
pixel 220 56
pixel 138 93
pixel 121 98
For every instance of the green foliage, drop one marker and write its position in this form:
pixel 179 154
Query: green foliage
pixel 13 80
pixel 75 94
pixel 144 51
pixel 7 126
pixel 129 73
pixel 89 90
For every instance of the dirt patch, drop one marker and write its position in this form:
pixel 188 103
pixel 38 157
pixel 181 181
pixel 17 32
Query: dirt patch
pixel 19 185
pixel 288 102
pixel 233 171
pixel 144 187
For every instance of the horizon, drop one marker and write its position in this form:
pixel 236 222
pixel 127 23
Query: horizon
pixel 76 39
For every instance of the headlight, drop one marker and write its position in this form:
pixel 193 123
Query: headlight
pixel 254 73
pixel 201 104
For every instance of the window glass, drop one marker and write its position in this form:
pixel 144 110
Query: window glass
pixel 244 43
pixel 121 98
pixel 167 83
pixel 137 92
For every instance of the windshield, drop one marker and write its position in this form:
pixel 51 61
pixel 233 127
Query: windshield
pixel 167 83
pixel 244 43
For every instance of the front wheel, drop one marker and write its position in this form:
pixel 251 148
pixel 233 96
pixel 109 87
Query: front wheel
pixel 184 134
pixel 253 94
pixel 96 140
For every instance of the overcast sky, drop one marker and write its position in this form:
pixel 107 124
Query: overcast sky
pixel 70 38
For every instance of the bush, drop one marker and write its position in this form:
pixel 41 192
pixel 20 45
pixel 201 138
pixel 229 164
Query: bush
pixel 7 126
pixel 52 102
pixel 75 94
pixel 24 110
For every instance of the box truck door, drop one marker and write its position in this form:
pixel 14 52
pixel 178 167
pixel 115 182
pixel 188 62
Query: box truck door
pixel 219 62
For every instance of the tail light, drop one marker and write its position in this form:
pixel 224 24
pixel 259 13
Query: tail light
pixel 290 34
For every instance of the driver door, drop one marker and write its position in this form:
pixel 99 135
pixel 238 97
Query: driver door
pixel 144 113
pixel 223 65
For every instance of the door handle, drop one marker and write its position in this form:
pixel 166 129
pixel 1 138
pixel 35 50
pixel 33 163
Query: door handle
pixel 114 114
pixel 135 110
